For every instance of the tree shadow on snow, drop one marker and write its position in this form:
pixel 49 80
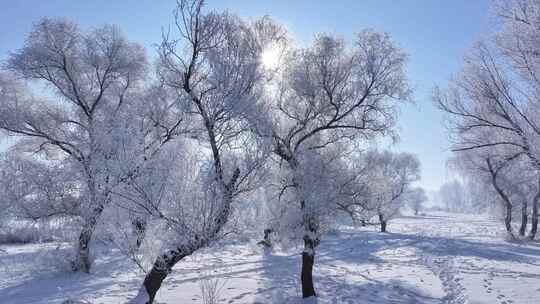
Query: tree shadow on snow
pixel 359 246
pixel 281 274
pixel 62 285
pixel 282 286
pixel 281 277
pixel 277 276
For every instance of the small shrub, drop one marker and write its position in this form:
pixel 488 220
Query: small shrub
pixel 211 286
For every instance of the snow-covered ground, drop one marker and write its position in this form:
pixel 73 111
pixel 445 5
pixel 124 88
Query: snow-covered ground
pixel 440 258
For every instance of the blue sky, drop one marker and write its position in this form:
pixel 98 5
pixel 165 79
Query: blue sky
pixel 435 34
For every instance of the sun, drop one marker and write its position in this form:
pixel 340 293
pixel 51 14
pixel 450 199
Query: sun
pixel 270 57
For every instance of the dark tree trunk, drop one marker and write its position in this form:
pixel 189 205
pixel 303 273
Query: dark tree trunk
pixel 534 222
pixel 508 220
pixel 506 200
pixel 534 216
pixel 382 222
pixel 311 241
pixel 363 223
pixel 267 242
pixel 164 264
pixel 308 259
pixel 161 268
pixel 524 219
pixel 82 261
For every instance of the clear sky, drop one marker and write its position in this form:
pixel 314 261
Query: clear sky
pixel 435 34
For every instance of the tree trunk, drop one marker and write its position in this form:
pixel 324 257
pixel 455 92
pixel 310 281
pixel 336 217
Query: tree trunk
pixel 308 259
pixel 504 197
pixel 524 219
pixel 534 222
pixel 363 223
pixel 534 216
pixel 139 226
pixel 82 261
pixel 508 220
pixel 266 242
pixel 164 264
pixel 161 268
pixel 382 222
pixel 311 241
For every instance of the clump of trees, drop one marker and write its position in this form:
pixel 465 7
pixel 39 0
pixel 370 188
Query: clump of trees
pixel 492 109
pixel 170 154
pixel 453 196
pixel 392 176
pixel 381 184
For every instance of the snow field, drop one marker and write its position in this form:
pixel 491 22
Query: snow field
pixel 444 258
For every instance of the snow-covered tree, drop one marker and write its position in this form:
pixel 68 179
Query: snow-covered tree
pixel 416 199
pixel 391 176
pixel 509 183
pixel 92 77
pixel 355 188
pixel 326 94
pixel 34 189
pixel 452 196
pixel 213 64
pixel 493 103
